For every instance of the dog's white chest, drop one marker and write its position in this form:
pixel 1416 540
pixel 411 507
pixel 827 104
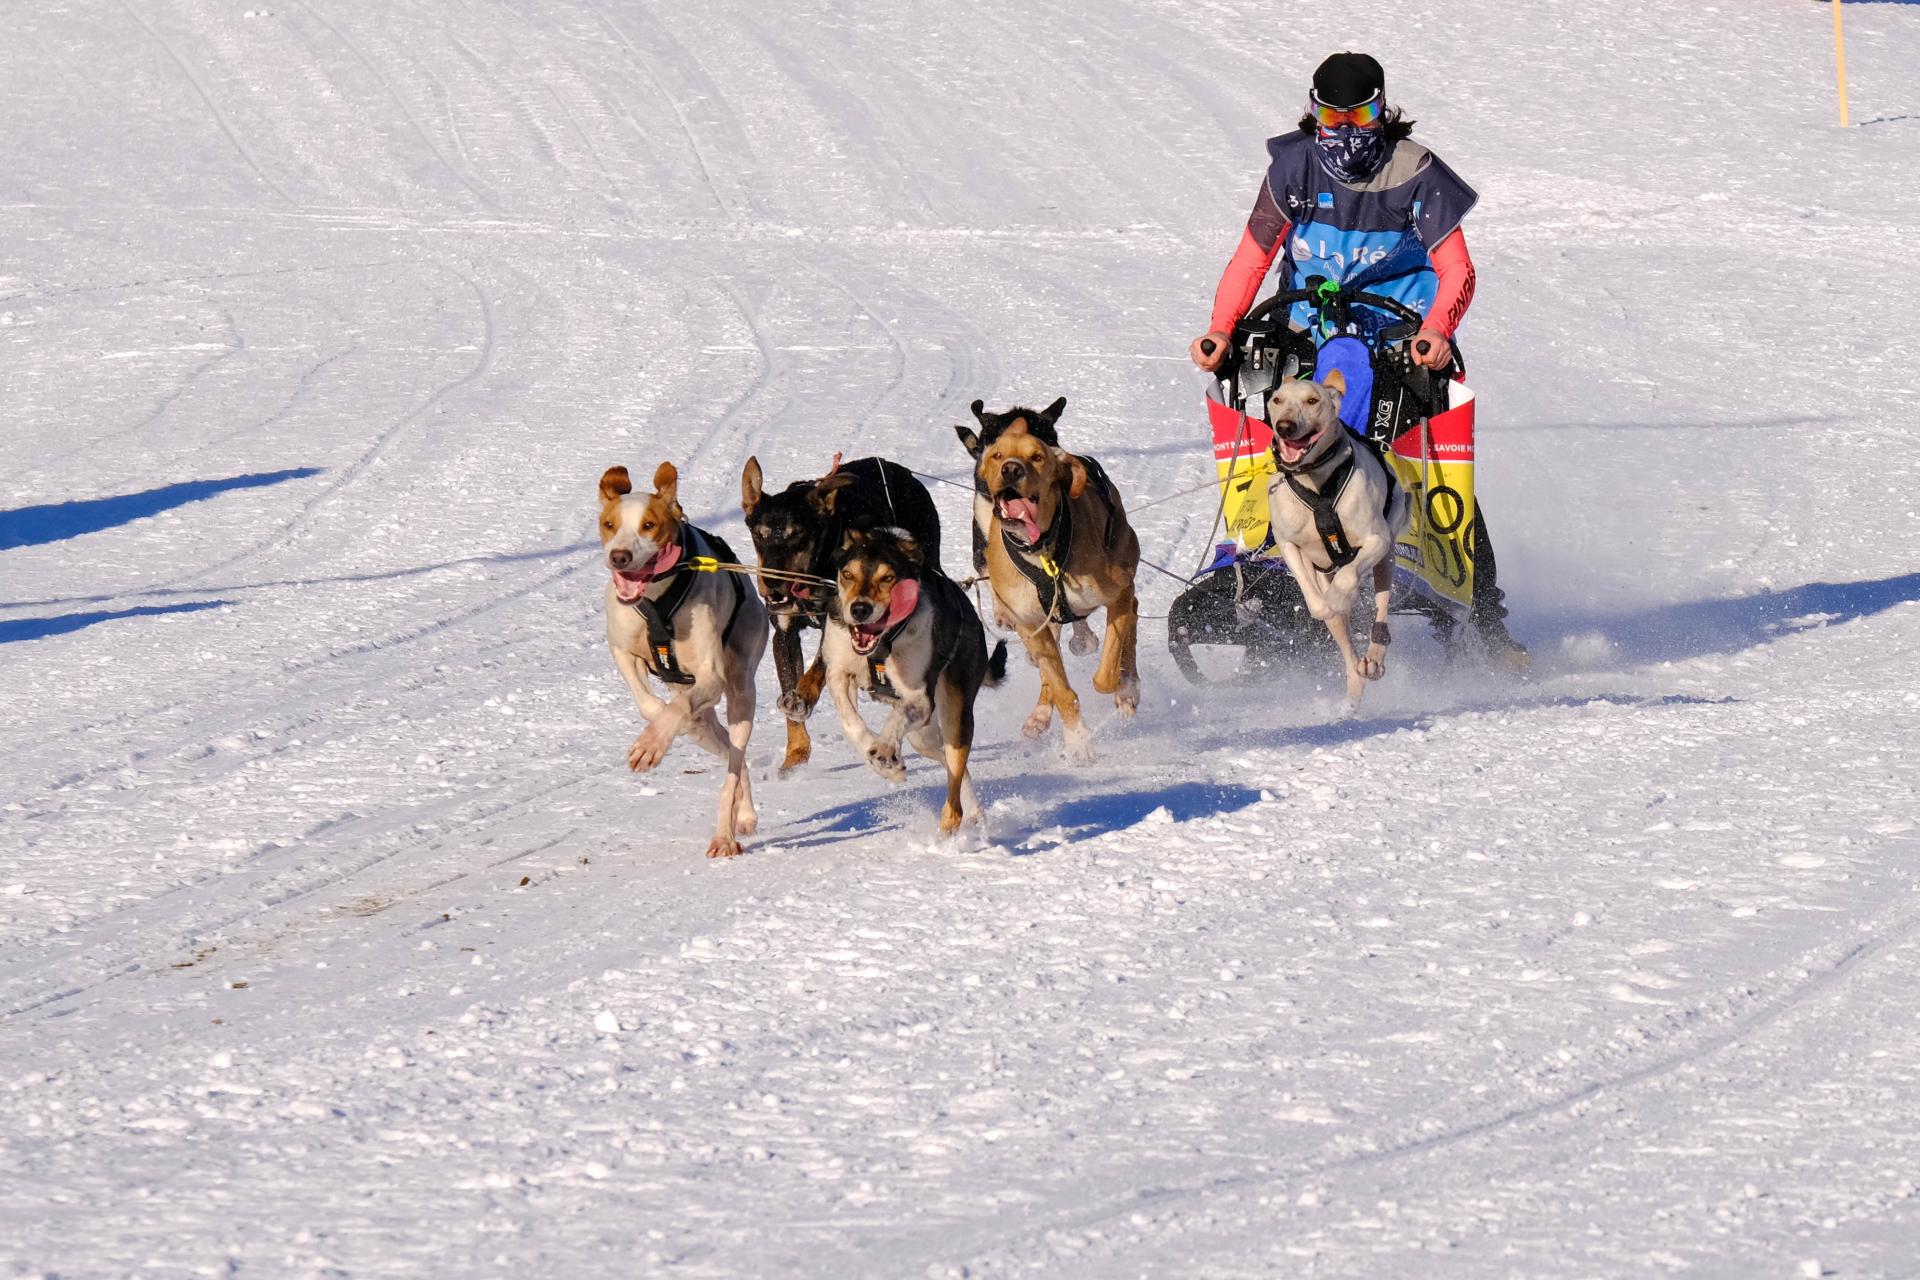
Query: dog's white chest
pixel 1360 504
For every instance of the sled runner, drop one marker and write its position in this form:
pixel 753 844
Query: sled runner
pixel 1418 421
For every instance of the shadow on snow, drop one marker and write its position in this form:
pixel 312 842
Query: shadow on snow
pixel 1042 805
pixel 58 521
pixel 1699 628
pixel 16 629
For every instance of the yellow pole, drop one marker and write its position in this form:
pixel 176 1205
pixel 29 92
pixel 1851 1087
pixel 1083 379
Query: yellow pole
pixel 1840 59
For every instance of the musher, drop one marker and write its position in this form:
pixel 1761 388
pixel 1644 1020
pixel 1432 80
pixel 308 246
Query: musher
pixel 1350 197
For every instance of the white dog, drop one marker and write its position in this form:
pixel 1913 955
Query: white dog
pixel 700 633
pixel 1335 512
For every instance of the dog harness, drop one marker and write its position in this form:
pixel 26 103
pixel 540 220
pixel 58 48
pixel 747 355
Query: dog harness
pixel 658 615
pixel 1326 518
pixel 877 659
pixel 1056 548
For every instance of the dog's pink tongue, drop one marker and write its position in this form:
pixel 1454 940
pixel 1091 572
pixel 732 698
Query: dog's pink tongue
pixel 902 600
pixel 1022 510
pixel 663 559
pixel 630 585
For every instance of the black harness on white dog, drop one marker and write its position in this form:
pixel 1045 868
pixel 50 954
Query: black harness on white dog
pixel 1326 518
pixel 658 615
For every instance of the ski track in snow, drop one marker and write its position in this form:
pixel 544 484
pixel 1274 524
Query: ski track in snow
pixel 335 938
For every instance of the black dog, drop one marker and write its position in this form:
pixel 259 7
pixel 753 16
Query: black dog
pixel 992 427
pixel 799 530
pixel 905 632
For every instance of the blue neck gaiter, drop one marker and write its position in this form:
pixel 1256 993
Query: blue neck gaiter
pixel 1351 153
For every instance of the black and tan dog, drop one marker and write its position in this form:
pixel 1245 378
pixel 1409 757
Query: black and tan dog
pixel 702 634
pixel 1058 547
pixel 799 530
pixel 905 632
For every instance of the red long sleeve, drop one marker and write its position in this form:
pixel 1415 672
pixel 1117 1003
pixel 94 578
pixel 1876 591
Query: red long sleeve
pixel 1454 266
pixel 1240 283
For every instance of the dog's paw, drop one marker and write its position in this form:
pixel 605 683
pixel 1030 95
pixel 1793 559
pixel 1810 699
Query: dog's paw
pixel 950 818
pixel 1079 746
pixel 1083 641
pixel 885 759
pixel 1036 724
pixel 794 707
pixel 648 750
pixel 799 747
pixel 724 847
pixel 1373 664
pixel 746 820
pixel 1126 699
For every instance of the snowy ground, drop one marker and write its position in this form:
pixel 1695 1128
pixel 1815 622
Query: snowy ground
pixel 336 939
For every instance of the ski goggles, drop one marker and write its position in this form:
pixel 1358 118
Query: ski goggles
pixel 1366 115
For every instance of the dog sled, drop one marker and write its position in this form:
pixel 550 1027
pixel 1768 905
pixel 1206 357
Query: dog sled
pixel 1419 422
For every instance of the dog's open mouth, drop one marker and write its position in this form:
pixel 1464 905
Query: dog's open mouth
pixel 791 600
pixel 630 584
pixel 1021 514
pixel 866 635
pixel 1294 440
pixel 902 600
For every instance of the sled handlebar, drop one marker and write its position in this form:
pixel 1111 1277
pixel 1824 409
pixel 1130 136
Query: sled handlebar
pixel 1330 296
pixel 1270 316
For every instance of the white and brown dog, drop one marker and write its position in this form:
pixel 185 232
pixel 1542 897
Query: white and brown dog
pixel 1335 513
pixel 702 633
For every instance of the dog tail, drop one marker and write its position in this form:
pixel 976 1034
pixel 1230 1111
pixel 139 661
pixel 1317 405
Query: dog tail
pixel 997 665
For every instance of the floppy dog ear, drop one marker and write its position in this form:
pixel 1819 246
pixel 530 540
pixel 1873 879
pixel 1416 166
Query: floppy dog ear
pixel 969 439
pixel 826 491
pixel 751 490
pixel 1076 472
pixel 614 484
pixel 1336 381
pixel 910 548
pixel 666 483
pixel 1051 414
